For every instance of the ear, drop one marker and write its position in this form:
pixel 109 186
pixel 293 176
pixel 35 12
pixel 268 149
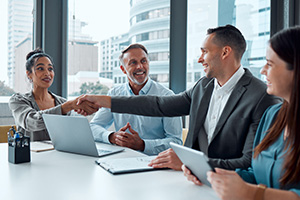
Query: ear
pixel 28 74
pixel 226 51
pixel 123 69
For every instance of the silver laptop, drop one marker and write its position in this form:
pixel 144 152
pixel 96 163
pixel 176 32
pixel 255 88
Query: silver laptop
pixel 195 160
pixel 73 134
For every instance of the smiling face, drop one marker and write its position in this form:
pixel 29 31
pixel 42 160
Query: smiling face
pixel 279 78
pixel 42 73
pixel 211 57
pixel 136 66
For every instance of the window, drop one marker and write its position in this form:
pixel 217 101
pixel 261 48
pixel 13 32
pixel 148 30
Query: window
pixel 251 17
pixel 16 43
pixel 102 48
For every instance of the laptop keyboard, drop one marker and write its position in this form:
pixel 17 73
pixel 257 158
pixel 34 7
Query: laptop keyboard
pixel 102 151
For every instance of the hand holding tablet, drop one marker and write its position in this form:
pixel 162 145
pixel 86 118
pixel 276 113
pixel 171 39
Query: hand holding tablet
pixel 195 161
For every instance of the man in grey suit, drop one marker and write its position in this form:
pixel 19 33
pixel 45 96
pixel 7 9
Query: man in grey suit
pixel 225 107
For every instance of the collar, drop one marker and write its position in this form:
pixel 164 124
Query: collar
pixel 229 85
pixel 144 89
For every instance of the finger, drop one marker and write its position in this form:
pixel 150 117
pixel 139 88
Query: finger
pixel 224 171
pixel 125 134
pixel 131 130
pixel 81 99
pixel 124 128
pixel 185 170
pixel 121 138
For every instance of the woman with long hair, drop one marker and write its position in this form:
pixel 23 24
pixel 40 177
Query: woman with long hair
pixel 275 172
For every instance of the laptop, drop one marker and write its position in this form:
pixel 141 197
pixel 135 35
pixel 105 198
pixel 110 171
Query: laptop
pixel 195 160
pixel 73 134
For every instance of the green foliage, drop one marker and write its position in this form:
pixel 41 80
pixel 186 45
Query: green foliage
pixel 5 90
pixel 91 88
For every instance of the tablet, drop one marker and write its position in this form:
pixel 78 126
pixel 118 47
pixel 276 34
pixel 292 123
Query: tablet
pixel 195 160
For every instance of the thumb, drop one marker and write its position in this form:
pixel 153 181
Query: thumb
pixel 81 99
pixel 125 127
pixel 132 131
pixel 223 171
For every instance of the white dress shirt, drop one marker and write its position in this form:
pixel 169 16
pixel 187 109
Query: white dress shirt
pixel 218 101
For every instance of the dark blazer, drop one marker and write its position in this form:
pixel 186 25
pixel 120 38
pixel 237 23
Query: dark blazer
pixel 231 144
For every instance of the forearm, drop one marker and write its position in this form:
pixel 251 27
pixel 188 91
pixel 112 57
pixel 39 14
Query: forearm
pixel 156 106
pixel 276 194
pixel 232 164
pixel 155 146
pixel 271 194
pixel 67 107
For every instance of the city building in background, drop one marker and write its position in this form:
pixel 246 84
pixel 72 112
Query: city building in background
pixel 19 27
pixel 149 26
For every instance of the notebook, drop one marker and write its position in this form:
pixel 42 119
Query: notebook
pixel 73 134
pixel 195 160
pixel 126 165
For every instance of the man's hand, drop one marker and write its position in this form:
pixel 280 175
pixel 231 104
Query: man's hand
pixel 98 100
pixel 85 108
pixel 166 159
pixel 190 176
pixel 125 139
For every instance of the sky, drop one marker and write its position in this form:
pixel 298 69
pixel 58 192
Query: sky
pixel 105 18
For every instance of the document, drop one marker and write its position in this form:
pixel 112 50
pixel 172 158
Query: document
pixel 127 165
pixel 41 146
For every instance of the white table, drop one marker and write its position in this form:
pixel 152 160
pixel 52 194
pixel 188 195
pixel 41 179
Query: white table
pixel 58 175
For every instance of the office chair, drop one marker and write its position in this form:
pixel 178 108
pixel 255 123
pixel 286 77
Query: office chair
pixel 184 134
pixel 3 132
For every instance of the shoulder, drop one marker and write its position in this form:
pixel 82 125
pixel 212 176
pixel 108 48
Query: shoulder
pixel 252 82
pixel 160 89
pixel 203 82
pixel 269 115
pixel 117 90
pixel 18 97
pixel 272 110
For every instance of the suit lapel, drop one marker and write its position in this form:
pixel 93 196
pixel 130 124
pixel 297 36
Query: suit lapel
pixel 202 109
pixel 234 98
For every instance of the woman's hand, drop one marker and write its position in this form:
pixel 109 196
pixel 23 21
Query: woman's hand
pixel 229 185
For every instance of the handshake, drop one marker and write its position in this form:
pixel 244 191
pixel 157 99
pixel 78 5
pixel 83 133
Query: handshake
pixel 89 104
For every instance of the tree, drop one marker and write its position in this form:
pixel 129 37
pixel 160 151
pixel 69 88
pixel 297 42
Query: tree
pixel 5 90
pixel 92 88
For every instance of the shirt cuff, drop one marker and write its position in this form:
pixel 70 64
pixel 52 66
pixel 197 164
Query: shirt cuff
pixel 105 137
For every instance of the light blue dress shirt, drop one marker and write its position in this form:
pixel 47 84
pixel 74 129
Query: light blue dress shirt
pixel 157 132
pixel 267 167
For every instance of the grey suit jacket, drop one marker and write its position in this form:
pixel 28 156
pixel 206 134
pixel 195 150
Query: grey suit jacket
pixel 231 144
pixel 28 116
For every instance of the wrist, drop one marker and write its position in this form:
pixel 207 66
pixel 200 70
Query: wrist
pixel 111 138
pixel 142 145
pixel 249 192
pixel 66 107
pixel 260 192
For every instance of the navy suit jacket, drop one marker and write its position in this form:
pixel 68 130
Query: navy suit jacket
pixel 231 144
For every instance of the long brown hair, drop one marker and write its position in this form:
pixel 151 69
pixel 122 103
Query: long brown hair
pixel 286 44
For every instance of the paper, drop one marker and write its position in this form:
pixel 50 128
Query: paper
pixel 126 165
pixel 41 146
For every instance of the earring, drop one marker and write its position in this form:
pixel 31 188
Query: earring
pixel 30 80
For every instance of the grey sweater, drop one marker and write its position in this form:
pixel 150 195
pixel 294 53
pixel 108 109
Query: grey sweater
pixel 28 116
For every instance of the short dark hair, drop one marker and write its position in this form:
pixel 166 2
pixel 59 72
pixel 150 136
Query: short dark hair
pixel 132 46
pixel 229 36
pixel 33 56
